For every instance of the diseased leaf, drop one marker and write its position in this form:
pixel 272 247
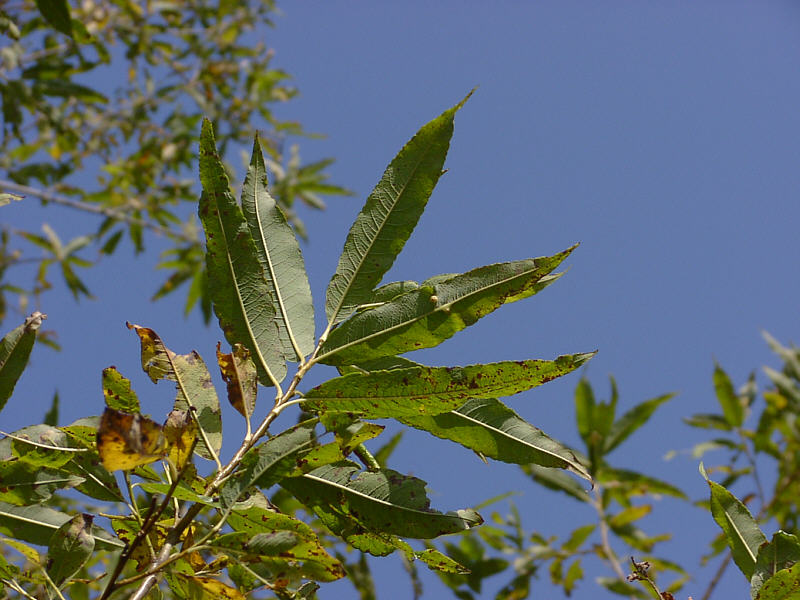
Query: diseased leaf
pixel 492 429
pixel 623 427
pixel 15 349
pixel 382 501
pixel 239 373
pixel 118 393
pixel 70 548
pixel 180 433
pixel 126 441
pixel 36 524
pixel 741 530
pixel 424 390
pixel 38 445
pixel 242 298
pixel 207 588
pixel 782 552
pixel 281 261
pixel 784 585
pixel 195 391
pixel 431 314
pixel 732 407
pixel 24 484
pixel 389 216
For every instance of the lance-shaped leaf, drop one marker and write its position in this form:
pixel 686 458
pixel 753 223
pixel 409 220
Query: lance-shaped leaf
pixel 24 484
pixel 242 298
pixel 383 501
pixel 118 393
pixel 36 524
pixel 281 260
pixel 70 547
pixel 389 216
pixel 492 429
pixel 731 404
pixel 193 383
pixel 239 374
pixel 15 349
pixel 780 553
pixel 741 530
pixel 433 390
pixel 425 317
pixel 557 480
pixel 632 420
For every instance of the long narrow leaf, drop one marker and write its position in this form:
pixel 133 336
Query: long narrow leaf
pixel 632 420
pixel 382 501
pixel 489 427
pixel 389 216
pixel 70 547
pixel 281 261
pixel 36 524
pixel 425 317
pixel 424 390
pixel 15 349
pixel 741 530
pixel 242 298
pixel 731 405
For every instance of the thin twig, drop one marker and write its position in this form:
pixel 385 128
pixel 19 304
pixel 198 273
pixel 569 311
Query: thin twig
pixel 605 542
pixel 717 576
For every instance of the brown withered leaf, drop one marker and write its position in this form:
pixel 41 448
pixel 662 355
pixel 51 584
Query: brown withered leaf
pixel 128 440
pixel 240 375
pixel 180 431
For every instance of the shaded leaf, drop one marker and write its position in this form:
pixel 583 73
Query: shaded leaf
pixel 239 373
pixel 51 416
pixel 558 481
pixel 36 524
pixel 741 530
pixel 70 548
pixel 784 585
pixel 382 501
pixel 426 317
pixel 15 348
pixel 56 13
pixel 492 429
pixel 782 552
pixel 389 216
pixel 195 391
pixel 180 433
pixel 24 484
pixel 241 296
pixel 433 390
pixel 281 261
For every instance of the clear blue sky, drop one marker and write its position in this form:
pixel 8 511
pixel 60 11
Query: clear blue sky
pixel 665 137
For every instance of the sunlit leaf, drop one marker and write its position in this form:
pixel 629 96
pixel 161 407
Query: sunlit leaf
pixel 489 427
pixel 15 348
pixel 7 198
pixel 425 317
pixel 239 373
pixel 126 440
pixel 782 552
pixel 281 261
pixel 743 534
pixel 36 524
pixel 118 393
pixel 623 427
pixel 242 299
pixel 180 433
pixel 207 588
pixel 24 484
pixel 731 405
pixel 784 585
pixel 389 216
pixel 70 548
pixel 195 391
pixel 429 391
pixel 636 483
pixel 383 501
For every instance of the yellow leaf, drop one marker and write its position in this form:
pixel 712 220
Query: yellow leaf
pixel 207 587
pixel 180 431
pixel 126 440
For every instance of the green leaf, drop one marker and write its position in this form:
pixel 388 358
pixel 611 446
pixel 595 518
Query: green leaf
pixel 36 524
pixel 389 216
pixel 385 363
pixel 741 530
pixel 708 421
pixel 557 480
pixel 281 261
pixel 492 429
pixel 425 317
pixel 242 298
pixel 265 464
pixel 193 384
pixel 39 446
pixel 118 393
pixel 24 484
pixel 433 390
pixel 774 556
pixel 70 548
pixel 636 483
pixel 56 13
pixel 732 407
pixel 51 416
pixel 15 348
pixel 784 585
pixel 632 420
pixel 382 501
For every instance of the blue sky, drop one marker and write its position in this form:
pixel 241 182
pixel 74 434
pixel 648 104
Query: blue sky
pixel 664 137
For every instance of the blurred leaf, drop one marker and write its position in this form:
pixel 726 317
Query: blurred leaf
pixel 424 318
pixel 731 405
pixel 15 348
pixel 56 13
pixel 632 420
pixel 242 298
pixel 742 531
pixel 704 421
pixel 70 548
pixel 382 501
pixel 128 440
pixel 495 431
pixel 433 390
pixel 636 483
pixel 558 481
pixel 281 261
pixel 389 216
pixel 8 198
pixel 51 417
